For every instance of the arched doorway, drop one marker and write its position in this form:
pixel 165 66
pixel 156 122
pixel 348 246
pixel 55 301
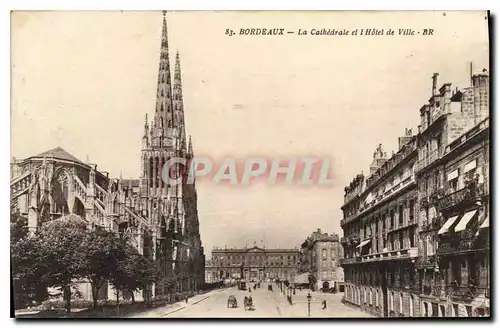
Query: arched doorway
pixel 326 286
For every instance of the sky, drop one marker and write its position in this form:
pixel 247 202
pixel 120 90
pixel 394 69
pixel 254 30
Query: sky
pixel 84 81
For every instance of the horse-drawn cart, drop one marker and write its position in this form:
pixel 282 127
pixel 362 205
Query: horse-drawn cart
pixel 232 302
pixel 248 303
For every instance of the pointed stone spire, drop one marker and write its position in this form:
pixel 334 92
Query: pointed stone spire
pixel 190 147
pixel 145 137
pixel 177 93
pixel 163 111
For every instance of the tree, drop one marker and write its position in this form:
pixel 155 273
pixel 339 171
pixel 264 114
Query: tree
pixel 28 271
pixel 62 244
pixel 103 254
pixel 134 272
pixel 18 228
pixel 141 272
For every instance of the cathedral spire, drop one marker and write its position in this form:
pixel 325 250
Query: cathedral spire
pixel 190 147
pixel 177 93
pixel 145 137
pixel 163 111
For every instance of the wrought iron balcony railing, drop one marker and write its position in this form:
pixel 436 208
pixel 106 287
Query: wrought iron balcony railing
pixel 470 193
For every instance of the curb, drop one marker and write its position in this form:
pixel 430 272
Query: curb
pixel 169 313
pixel 201 300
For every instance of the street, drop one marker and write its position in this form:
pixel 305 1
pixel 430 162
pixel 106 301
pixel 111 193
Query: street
pixel 267 304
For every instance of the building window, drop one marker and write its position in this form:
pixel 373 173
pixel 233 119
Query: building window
pixel 401 212
pixel 412 210
pixel 323 253
pixel 401 303
pixel 468 308
pixel 442 309
pixel 411 306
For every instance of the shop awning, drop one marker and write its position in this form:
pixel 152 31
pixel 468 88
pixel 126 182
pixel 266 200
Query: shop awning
pixel 301 279
pixel 447 225
pixel 464 220
pixel 452 175
pixel 363 243
pixel 486 223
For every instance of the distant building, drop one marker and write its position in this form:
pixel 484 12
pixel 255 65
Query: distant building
pixel 251 264
pixel 320 255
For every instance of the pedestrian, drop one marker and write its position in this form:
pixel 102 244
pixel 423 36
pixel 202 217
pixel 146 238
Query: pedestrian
pixel 187 297
pixel 324 304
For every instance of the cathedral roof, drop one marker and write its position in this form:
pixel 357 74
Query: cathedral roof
pixel 58 153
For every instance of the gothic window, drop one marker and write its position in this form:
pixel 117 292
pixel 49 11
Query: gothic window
pixel 162 93
pixel 162 79
pixel 161 106
pixel 162 173
pixel 169 123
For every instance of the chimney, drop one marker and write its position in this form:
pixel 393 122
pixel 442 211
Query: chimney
pixel 403 140
pixel 470 73
pixel 434 83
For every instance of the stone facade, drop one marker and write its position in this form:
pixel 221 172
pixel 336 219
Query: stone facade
pixel 416 266
pixel 162 218
pixel 320 255
pixel 256 263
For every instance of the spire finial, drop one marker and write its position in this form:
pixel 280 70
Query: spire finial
pixel 146 119
pixel 164 13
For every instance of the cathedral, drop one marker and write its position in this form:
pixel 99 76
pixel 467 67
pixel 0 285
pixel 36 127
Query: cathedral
pixel 161 219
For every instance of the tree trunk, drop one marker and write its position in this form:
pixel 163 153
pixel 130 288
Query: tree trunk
pixel 67 292
pixel 133 296
pixel 117 296
pixel 95 292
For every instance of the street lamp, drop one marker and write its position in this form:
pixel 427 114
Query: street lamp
pixel 308 304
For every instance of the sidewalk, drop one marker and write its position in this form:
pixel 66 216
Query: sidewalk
pixel 334 307
pixel 171 308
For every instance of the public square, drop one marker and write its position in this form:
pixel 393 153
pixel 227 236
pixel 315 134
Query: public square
pixel 267 304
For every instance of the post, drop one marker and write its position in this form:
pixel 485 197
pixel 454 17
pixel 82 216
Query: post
pixel 308 304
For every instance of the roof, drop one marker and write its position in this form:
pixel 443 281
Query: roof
pixel 255 248
pixel 58 153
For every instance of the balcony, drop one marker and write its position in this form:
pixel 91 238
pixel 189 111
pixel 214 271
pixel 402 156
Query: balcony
pixel 428 160
pixel 467 194
pixel 467 241
pixel 400 254
pixel 463 293
pixel 351 260
pixel 395 189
